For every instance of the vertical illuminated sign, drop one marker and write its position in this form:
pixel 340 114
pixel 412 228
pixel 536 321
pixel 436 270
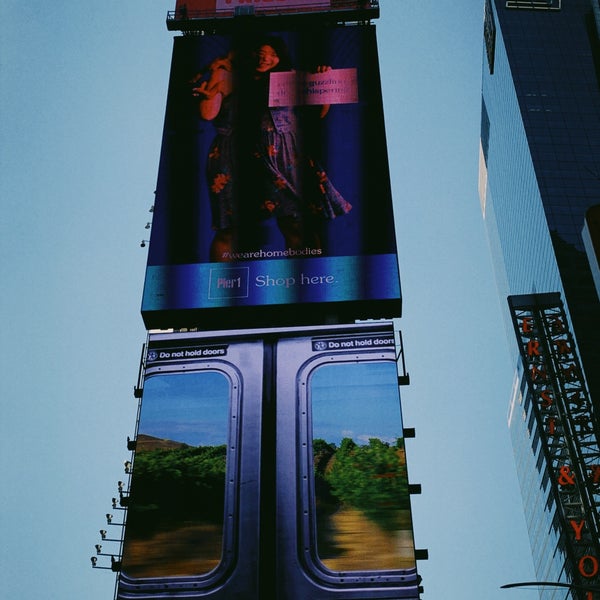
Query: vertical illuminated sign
pixel 566 423
pixel 273 190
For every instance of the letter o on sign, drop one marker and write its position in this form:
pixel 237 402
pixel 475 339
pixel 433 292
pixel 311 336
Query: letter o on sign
pixel 588 566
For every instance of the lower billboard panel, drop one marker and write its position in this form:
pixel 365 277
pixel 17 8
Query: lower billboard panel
pixel 270 465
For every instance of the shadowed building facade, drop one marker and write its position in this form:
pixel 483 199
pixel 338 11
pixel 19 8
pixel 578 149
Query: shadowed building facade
pixel 539 178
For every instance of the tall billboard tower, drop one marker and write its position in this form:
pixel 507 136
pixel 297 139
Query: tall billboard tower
pixel 269 453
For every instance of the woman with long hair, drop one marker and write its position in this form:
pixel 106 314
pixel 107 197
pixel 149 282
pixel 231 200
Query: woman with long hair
pixel 260 165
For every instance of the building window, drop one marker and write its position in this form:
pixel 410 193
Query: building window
pixel 485 130
pixel 489 35
pixel 534 4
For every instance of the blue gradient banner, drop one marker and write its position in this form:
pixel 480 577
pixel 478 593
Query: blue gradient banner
pixel 271 282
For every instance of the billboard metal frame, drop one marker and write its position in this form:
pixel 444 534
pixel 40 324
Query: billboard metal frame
pixel 191 22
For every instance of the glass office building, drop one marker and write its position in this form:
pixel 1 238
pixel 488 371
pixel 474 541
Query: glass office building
pixel 539 177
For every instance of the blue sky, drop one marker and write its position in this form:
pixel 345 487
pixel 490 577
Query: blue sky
pixel 192 408
pixel 355 401
pixel 83 89
pixel 348 400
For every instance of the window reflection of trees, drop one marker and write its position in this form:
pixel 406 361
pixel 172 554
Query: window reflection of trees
pixel 360 487
pixel 175 515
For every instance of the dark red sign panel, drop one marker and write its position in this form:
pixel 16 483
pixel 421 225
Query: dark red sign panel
pixel 200 8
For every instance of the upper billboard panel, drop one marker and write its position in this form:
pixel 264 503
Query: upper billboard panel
pixel 273 202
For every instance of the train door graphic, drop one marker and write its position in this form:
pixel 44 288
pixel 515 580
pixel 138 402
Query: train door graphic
pixel 270 464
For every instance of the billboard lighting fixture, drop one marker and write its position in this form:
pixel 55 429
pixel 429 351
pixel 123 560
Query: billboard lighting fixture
pixel 109 520
pixel 147 225
pixel 143 243
pixel 127 465
pixel 99 553
pixel 115 565
pixel 103 534
pixel 122 502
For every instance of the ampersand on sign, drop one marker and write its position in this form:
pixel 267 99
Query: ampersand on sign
pixel 565 476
